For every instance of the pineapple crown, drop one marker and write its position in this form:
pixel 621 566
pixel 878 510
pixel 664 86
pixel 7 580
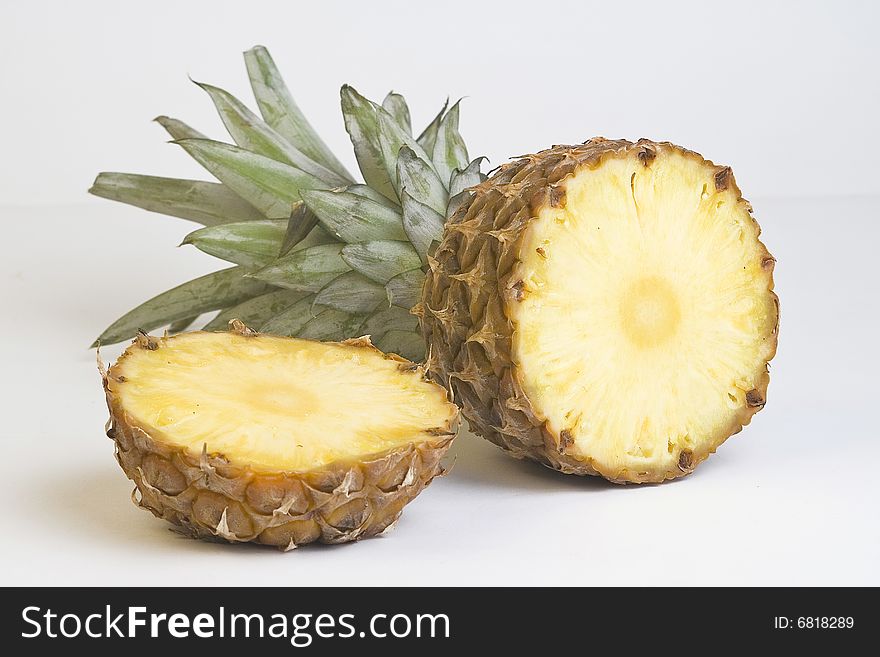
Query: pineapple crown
pixel 315 253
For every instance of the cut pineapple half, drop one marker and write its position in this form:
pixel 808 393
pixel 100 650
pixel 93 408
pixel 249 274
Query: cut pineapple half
pixel 276 440
pixel 645 322
pixel 626 313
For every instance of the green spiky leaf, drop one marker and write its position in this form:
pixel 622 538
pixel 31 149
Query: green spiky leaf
pixel 308 269
pixel 420 181
pixel 250 244
pixel 455 202
pixel 396 106
pixel 344 247
pixel 292 319
pixel 281 112
pixel 388 319
pixel 429 135
pixel 405 343
pixel 369 193
pixel 257 311
pixel 206 203
pixel 253 134
pixel 182 324
pixel 362 126
pixel 392 138
pixel 316 237
pixel 270 186
pixel 352 292
pixel 353 217
pixel 220 289
pixel 422 224
pixel 449 152
pixel 302 221
pixel 462 179
pixel 405 289
pixel 381 260
pixel 331 324
pixel 377 138
pixel 178 129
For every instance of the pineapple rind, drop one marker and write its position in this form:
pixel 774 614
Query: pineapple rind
pixel 223 496
pixel 475 285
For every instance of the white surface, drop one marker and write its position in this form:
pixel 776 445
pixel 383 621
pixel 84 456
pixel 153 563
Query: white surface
pixel 783 91
pixel 754 83
pixel 791 500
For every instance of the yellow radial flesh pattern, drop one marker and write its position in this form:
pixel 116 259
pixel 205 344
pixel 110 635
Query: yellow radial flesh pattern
pixel 276 403
pixel 647 315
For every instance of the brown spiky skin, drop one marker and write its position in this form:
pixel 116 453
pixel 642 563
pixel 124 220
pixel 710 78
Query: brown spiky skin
pixel 472 279
pixel 206 496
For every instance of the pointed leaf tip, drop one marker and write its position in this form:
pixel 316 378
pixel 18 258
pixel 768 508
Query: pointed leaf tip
pixel 178 129
pixel 429 135
pixel 377 139
pixel 283 115
pixel 207 203
pixel 449 152
pixel 396 106
pixel 362 125
pixel 467 177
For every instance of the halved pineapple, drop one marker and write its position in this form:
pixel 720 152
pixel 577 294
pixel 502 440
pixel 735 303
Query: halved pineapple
pixel 624 316
pixel 281 441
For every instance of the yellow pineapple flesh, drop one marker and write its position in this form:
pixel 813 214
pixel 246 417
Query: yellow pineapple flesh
pixel 645 321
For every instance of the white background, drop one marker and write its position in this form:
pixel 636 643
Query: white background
pixel 787 93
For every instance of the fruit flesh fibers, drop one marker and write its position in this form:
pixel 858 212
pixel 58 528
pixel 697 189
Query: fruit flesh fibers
pixel 276 404
pixel 645 319
pixel 605 308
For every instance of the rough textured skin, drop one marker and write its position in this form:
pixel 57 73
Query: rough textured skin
pixel 206 496
pixel 472 279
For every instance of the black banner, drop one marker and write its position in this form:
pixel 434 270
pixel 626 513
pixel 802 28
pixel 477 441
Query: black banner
pixel 404 620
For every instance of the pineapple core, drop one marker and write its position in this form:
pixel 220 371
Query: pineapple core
pixel 645 316
pixel 276 403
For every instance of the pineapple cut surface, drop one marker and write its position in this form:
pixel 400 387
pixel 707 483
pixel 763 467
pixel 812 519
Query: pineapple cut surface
pixel 645 320
pixel 604 309
pixel 275 403
pixel 245 437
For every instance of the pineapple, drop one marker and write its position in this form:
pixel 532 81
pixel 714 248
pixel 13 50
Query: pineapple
pixel 282 441
pixel 315 254
pixel 604 309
